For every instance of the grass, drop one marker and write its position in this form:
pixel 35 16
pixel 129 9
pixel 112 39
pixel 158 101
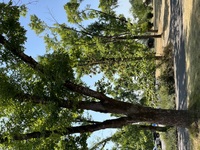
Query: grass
pixel 195 136
pixel 192 46
pixel 166 100
pixel 170 139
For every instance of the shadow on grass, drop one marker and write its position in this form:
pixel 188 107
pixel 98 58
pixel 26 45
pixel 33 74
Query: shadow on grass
pixel 166 14
pixel 193 54
pixel 193 61
pixel 157 11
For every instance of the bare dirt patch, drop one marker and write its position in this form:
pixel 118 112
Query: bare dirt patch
pixel 162 20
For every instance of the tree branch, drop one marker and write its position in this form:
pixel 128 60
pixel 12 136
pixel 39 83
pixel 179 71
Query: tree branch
pixel 104 141
pixel 109 106
pixel 154 128
pixel 18 53
pixel 106 102
pixel 114 123
pixel 37 67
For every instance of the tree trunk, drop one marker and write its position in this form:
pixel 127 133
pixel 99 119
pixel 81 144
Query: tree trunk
pixel 172 118
pixel 154 128
pixel 135 112
pixel 154 31
pixel 139 37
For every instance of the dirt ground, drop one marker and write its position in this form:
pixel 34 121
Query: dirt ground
pixel 161 22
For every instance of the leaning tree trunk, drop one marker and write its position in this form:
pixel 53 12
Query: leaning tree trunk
pixel 134 112
pixel 181 118
pixel 133 37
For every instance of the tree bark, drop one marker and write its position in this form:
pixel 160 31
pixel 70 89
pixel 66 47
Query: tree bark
pixel 141 36
pixel 117 37
pixel 154 31
pixel 180 118
pixel 154 128
pixel 136 112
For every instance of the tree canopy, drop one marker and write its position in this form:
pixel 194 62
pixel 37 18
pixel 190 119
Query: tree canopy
pixel 43 101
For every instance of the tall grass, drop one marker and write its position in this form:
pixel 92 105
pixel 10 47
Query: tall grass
pixel 170 138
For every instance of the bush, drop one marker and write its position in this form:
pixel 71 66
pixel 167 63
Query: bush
pixel 149 15
pixel 149 25
pixel 170 139
pixel 167 75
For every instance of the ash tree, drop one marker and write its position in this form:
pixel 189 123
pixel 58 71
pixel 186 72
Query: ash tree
pixel 42 101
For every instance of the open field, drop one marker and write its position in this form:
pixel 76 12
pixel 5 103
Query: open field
pixel 191 17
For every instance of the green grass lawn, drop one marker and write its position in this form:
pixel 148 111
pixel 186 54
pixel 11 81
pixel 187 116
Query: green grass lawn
pixel 192 46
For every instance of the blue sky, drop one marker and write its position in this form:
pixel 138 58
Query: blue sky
pixel 45 9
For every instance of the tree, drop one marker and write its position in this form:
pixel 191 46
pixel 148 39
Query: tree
pixel 129 137
pixel 124 138
pixel 42 102
pixel 106 24
pixel 143 14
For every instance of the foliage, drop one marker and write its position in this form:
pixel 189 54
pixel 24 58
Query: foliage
pixel 194 135
pixel 139 9
pixel 170 139
pixel 142 13
pixel 104 48
pixel 98 48
pixel 9 19
pixel 131 137
pixel 167 76
pixel 18 81
pixel 42 102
